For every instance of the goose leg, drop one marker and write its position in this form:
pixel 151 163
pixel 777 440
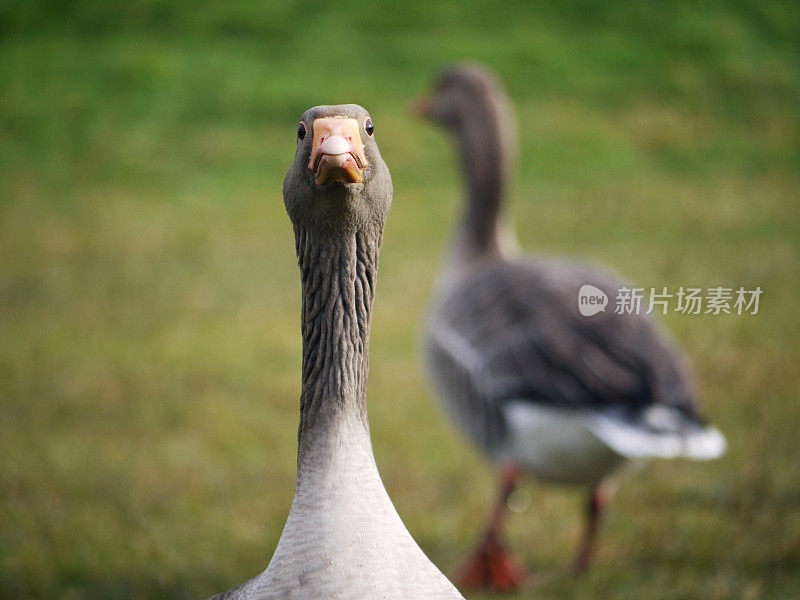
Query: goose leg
pixel 491 565
pixel 594 509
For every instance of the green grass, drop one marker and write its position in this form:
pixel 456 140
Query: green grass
pixel 149 298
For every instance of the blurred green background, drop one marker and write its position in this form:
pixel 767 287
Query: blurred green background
pixel 149 296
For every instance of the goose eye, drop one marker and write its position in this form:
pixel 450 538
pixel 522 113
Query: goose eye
pixel 368 126
pixel 301 131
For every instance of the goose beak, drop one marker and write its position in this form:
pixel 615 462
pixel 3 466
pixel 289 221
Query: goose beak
pixel 337 152
pixel 421 106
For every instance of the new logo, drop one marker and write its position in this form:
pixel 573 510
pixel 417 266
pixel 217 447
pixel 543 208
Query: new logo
pixel 591 300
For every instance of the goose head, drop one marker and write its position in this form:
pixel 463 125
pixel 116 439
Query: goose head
pixel 470 103
pixel 461 94
pixel 338 180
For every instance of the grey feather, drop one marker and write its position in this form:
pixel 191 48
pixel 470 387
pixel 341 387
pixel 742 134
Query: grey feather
pixel 504 329
pixel 343 538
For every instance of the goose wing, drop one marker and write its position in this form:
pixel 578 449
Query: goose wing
pixel 513 332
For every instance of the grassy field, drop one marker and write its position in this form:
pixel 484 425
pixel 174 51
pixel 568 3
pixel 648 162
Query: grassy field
pixel 149 297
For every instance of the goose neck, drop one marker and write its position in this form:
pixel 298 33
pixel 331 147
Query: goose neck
pixel 486 163
pixel 338 276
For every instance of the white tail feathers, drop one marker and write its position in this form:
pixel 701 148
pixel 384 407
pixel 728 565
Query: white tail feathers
pixel 631 441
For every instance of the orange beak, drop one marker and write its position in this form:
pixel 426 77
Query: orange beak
pixel 337 152
pixel 421 106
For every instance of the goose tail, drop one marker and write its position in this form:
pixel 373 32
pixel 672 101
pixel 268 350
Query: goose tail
pixel 636 440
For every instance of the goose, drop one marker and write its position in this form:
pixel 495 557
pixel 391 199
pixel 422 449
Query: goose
pixel 343 537
pixel 536 385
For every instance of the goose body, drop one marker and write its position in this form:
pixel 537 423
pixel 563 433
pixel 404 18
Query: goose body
pixel 565 396
pixel 343 538
pixel 539 387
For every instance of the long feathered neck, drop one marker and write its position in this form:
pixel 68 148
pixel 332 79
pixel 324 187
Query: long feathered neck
pixel 486 143
pixel 338 285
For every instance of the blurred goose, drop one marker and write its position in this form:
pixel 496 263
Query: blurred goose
pixel 343 537
pixel 536 385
